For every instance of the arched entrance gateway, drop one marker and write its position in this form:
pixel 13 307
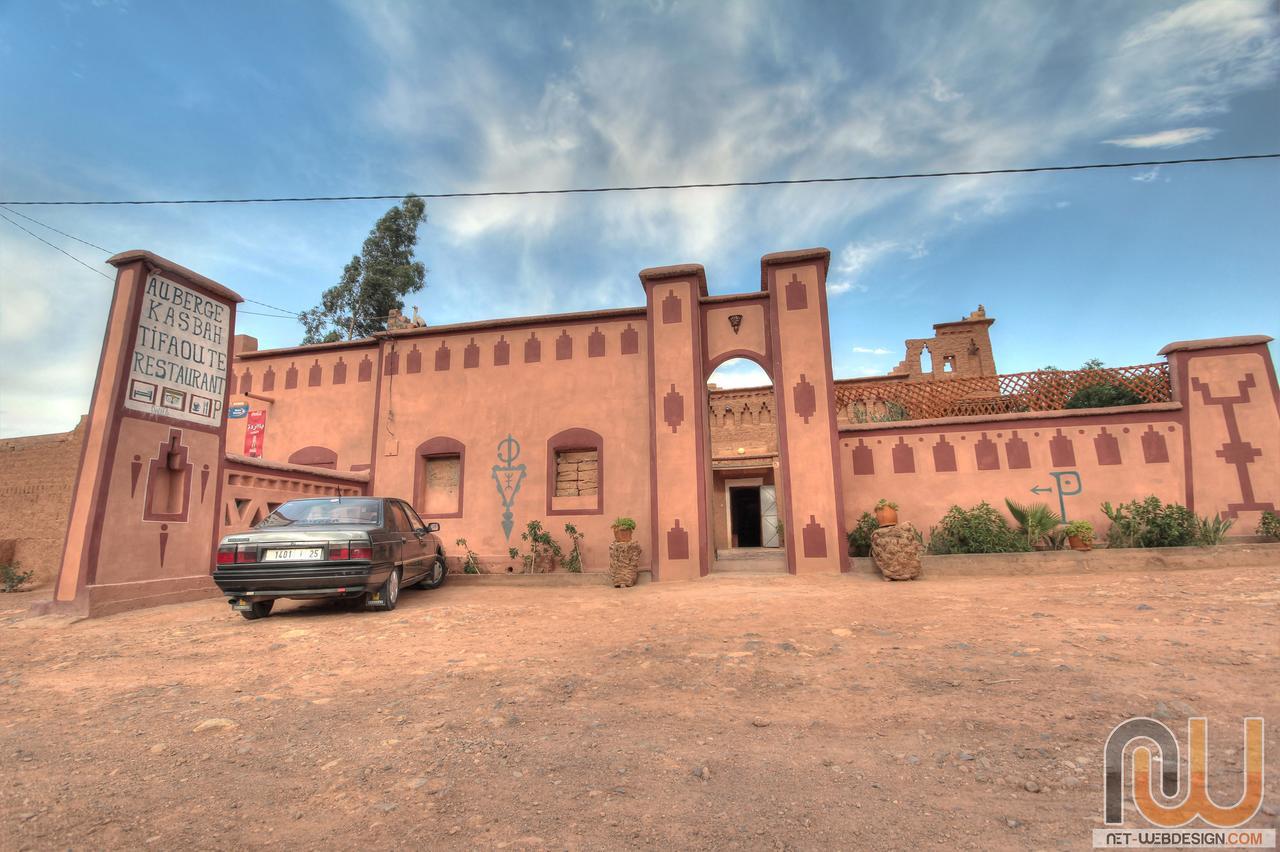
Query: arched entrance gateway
pixel 744 467
pixel 783 329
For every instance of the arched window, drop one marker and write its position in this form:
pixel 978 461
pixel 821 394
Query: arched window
pixel 575 473
pixel 315 457
pixel 438 467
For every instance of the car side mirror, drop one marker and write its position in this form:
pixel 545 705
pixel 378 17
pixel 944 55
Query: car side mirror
pixel 433 527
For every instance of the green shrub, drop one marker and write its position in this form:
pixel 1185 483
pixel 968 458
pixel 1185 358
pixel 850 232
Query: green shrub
pixel 1212 531
pixel 1150 523
pixel 623 524
pixel 978 530
pixel 13 578
pixel 470 563
pixel 1269 525
pixel 860 535
pixel 573 562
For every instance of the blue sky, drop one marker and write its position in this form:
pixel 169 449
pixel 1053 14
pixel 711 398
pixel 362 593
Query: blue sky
pixel 160 100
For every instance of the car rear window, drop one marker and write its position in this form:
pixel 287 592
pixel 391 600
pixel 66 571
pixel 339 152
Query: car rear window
pixel 334 510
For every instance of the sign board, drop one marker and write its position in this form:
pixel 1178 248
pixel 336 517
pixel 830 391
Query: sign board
pixel 240 409
pixel 178 367
pixel 255 433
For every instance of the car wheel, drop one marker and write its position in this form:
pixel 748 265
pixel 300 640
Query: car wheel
pixel 389 594
pixel 258 609
pixel 434 577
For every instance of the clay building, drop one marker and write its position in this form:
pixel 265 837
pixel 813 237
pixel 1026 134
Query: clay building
pixel 582 417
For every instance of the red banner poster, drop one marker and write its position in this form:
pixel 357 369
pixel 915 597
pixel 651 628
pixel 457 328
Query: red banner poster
pixel 255 433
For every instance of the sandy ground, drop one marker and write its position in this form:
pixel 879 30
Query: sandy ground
pixel 750 713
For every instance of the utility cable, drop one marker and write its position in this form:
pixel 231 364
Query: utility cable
pixel 654 187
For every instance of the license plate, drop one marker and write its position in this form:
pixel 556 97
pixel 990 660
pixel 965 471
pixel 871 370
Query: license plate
pixel 294 554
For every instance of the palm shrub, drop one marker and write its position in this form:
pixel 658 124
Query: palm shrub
pixel 1212 531
pixel 1037 522
pixel 981 529
pixel 860 535
pixel 1269 525
pixel 1150 523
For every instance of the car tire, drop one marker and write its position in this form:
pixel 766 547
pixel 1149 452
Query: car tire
pixel 435 577
pixel 258 609
pixel 388 594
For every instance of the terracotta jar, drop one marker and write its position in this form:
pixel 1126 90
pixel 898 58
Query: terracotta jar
pixel 886 516
pixel 1077 543
pixel 620 534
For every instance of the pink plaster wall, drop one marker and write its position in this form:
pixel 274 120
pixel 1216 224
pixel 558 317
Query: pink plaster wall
pixel 566 388
pixel 336 416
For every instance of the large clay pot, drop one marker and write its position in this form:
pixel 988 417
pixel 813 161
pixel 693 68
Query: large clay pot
pixel 620 534
pixel 886 517
pixel 1077 543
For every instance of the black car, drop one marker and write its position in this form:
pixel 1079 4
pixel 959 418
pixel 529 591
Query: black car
pixel 362 550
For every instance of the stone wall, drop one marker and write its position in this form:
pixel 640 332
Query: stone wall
pixel 577 474
pixel 36 477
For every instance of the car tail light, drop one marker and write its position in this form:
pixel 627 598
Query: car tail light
pixel 246 553
pixel 354 550
pixel 226 555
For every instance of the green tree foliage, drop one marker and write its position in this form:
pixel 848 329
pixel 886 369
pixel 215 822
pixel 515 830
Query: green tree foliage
pixel 1099 392
pixel 374 282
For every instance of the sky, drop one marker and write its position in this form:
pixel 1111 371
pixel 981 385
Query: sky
pixel 132 99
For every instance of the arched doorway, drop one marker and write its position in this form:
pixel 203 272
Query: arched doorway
pixel 744 477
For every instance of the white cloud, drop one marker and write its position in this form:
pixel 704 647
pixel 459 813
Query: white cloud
pixel 739 373
pixel 1166 138
pixel 1147 176
pixel 866 350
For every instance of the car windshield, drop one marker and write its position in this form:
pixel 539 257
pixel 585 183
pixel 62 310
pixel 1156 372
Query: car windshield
pixel 335 510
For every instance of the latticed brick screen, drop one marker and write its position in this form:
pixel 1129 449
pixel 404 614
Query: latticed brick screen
pixel 1040 390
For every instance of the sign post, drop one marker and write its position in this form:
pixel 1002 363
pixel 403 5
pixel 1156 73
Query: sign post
pixel 143 519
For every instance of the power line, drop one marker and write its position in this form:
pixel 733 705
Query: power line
pixel 654 187
pixel 55 248
pixel 288 313
pixel 56 231
pixel 260 314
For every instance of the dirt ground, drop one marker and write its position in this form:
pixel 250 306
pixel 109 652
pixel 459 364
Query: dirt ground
pixel 734 712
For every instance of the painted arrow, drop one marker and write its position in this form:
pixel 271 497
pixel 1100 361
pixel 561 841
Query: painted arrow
pixel 1040 489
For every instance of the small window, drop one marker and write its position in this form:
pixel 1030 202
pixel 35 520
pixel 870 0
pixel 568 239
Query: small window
pixel 575 473
pixel 438 478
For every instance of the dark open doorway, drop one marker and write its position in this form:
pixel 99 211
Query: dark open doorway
pixel 744 514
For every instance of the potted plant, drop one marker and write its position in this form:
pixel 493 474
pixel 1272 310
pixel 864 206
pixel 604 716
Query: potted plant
pixel 623 528
pixel 886 513
pixel 1080 535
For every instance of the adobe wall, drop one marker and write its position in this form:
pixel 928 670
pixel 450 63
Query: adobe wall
pixel 36 477
pixel 505 396
pixel 315 396
pixel 1215 449
pixel 252 489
